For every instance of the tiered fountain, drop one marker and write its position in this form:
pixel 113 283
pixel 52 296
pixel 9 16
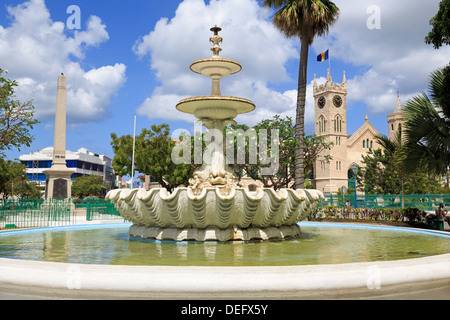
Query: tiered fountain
pixel 213 207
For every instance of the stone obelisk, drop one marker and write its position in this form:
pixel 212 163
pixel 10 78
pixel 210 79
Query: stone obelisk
pixel 58 183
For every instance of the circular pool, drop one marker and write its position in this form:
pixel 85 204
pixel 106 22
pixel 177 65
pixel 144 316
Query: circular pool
pixel 320 243
pixel 329 260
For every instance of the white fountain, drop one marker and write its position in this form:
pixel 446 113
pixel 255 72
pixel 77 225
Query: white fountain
pixel 213 207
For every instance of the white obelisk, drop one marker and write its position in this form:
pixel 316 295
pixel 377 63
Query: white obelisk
pixel 58 184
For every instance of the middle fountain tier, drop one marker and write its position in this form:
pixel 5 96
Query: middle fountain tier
pixel 215 109
pixel 213 207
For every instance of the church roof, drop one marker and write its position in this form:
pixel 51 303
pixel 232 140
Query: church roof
pixel 367 126
pixel 398 106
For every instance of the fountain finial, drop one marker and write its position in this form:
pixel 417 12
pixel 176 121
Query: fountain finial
pixel 216 39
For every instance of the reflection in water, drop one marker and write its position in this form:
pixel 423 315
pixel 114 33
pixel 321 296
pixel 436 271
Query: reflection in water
pixel 317 245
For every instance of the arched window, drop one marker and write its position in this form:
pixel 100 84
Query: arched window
pixel 371 144
pixel 337 124
pixel 364 143
pixel 322 123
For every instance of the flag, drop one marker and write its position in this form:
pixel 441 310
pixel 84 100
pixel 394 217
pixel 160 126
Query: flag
pixel 323 56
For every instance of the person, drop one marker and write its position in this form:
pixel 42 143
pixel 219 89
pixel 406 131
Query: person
pixel 441 213
pixel 446 216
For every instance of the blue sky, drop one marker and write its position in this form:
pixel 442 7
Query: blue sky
pixel 132 57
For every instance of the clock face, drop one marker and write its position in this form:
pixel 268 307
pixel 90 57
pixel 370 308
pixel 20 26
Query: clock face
pixel 321 102
pixel 337 100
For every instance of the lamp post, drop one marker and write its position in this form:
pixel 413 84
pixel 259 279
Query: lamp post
pixel 132 160
pixel 331 194
pixel 355 171
pixel 23 178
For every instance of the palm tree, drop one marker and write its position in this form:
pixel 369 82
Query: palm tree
pixel 427 128
pixel 305 19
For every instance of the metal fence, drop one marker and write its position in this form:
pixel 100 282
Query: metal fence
pixel 427 202
pixel 98 209
pixel 35 213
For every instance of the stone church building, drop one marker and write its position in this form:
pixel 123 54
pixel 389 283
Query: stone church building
pixel 331 123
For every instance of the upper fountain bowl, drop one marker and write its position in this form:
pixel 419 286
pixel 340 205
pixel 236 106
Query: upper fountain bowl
pixel 215 67
pixel 215 107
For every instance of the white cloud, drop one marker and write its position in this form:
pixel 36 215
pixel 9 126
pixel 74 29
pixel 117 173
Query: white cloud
pixel 162 106
pixel 249 38
pixel 392 58
pixel 395 56
pixel 35 50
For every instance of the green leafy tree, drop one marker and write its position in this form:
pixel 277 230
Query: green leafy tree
pixel 89 185
pixel 304 19
pixel 440 34
pixel 314 148
pixel 383 171
pixel 427 128
pixel 11 173
pixel 239 168
pixel 123 153
pixel 33 190
pixel 287 146
pixel 153 156
pixel 16 118
pixel 14 182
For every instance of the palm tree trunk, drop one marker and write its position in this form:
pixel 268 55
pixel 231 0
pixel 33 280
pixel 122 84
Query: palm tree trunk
pixel 300 117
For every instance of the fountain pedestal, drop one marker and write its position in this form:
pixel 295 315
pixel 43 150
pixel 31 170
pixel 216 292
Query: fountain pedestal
pixel 213 207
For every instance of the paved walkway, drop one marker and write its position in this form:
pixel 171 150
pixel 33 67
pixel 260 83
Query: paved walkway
pixel 431 290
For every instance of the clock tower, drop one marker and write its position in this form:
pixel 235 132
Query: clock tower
pixel 331 123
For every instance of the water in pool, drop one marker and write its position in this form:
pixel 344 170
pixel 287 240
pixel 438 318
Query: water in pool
pixel 319 244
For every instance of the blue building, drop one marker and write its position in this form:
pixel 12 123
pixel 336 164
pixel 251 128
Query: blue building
pixel 83 162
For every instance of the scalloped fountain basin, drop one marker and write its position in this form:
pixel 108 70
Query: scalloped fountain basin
pixel 213 216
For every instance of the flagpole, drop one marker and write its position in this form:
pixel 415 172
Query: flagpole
pixel 132 159
pixel 329 60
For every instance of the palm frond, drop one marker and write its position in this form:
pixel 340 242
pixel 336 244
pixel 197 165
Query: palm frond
pixel 428 135
pixel 440 90
pixel 304 18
